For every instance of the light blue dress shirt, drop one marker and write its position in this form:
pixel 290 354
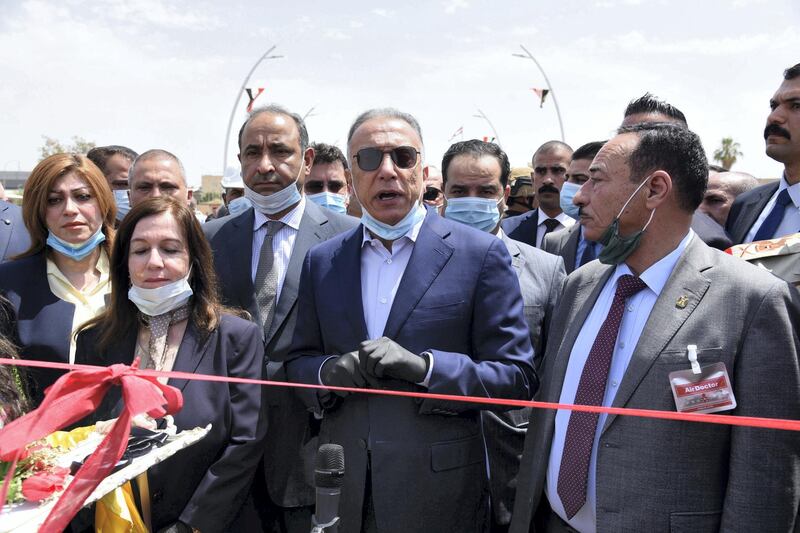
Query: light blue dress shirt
pixel 790 223
pixel 637 311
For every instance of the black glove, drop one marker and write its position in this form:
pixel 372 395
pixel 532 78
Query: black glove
pixel 177 527
pixel 384 358
pixel 343 371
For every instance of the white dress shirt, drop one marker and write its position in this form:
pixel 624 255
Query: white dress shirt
pixel 791 216
pixel 638 309
pixel 282 242
pixel 562 218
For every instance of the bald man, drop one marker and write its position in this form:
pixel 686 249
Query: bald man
pixel 157 173
pixel 723 188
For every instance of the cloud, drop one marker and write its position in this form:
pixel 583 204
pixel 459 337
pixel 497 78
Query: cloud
pixel 524 31
pixel 157 13
pixel 382 12
pixel 451 6
pixel 336 35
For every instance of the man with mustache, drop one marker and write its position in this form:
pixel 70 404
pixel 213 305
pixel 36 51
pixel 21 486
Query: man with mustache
pixel 550 163
pixel 773 210
pixel 258 256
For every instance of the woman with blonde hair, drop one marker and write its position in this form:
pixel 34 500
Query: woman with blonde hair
pixel 61 281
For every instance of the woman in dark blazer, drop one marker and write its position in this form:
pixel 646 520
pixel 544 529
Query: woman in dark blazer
pixel 62 279
pixel 164 310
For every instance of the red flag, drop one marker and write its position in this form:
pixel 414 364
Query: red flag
pixel 253 98
pixel 541 93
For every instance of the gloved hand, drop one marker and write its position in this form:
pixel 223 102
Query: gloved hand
pixel 343 371
pixel 177 527
pixel 384 358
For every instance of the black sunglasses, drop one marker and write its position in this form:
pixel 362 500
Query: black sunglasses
pixel 431 194
pixel 369 159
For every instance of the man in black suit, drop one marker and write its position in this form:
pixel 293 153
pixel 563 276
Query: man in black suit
pixel 571 244
pixel 14 238
pixel 550 162
pixel 258 256
pixel 773 210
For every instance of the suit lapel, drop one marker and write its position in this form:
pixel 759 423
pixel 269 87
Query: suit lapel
pixel 240 246
pixel 190 353
pixel 428 257
pixel 571 247
pixel 346 267
pixel 751 211
pixel 312 231
pixel 517 260
pixel 665 319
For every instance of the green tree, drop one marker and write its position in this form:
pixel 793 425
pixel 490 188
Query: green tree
pixel 54 146
pixel 728 153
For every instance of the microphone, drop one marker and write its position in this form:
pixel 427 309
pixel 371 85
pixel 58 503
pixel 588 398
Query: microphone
pixel 328 478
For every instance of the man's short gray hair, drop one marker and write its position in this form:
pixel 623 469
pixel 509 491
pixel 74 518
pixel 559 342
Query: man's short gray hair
pixel 275 109
pixel 157 153
pixel 384 112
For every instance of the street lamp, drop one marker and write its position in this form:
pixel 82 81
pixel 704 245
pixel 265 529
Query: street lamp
pixel 266 55
pixel 482 115
pixel 528 55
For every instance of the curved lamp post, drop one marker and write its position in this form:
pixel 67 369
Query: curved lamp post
pixel 266 55
pixel 528 55
pixel 482 115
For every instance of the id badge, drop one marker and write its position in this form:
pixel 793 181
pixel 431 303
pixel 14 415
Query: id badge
pixel 708 391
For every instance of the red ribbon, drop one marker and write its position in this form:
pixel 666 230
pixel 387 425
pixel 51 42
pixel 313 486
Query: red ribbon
pixel 72 397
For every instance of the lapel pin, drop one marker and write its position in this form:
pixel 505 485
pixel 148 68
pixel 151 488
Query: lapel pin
pixel 681 302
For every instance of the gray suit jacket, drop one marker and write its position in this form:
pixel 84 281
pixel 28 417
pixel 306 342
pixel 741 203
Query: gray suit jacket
pixel 565 244
pixel 14 237
pixel 291 440
pixel 541 278
pixel 655 475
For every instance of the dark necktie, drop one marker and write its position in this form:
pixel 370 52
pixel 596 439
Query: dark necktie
pixel 550 225
pixel 773 220
pixel 266 284
pixel 579 439
pixel 589 253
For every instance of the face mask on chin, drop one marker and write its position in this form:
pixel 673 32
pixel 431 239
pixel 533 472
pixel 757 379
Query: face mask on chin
pixel 160 300
pixel 76 251
pixel 616 248
pixel 277 201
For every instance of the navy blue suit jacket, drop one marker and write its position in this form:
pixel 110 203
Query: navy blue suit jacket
pixel 460 299
pixel 522 227
pixel 44 321
pixel 205 484
pixel 14 238
pixel 746 209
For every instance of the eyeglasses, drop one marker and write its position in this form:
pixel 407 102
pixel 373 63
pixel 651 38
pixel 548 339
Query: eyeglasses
pixel 369 159
pixel 431 194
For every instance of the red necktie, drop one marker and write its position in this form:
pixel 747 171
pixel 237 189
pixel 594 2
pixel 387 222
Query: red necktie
pixel 579 439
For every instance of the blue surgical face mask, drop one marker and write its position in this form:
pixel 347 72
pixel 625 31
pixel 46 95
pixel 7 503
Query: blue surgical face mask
pixel 238 205
pixel 329 200
pixel 568 192
pixel 76 251
pixel 391 233
pixel 123 202
pixel 479 213
pixel 277 201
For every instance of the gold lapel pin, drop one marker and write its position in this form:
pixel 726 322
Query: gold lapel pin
pixel 681 302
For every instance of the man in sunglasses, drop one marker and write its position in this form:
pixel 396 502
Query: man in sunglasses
pixel 433 197
pixel 476 189
pixel 258 255
pixel 550 163
pixel 420 304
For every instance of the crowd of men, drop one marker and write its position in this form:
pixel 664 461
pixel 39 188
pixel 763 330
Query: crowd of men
pixel 370 269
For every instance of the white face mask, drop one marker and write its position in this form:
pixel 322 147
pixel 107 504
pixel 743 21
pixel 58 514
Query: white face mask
pixel 277 201
pixel 154 302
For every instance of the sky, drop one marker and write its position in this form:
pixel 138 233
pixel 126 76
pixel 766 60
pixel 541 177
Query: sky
pixel 166 73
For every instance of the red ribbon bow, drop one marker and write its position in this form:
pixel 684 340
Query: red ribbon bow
pixel 72 397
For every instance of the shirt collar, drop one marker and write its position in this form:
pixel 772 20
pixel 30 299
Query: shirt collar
pixel 563 218
pixel 656 276
pixel 101 266
pixel 291 219
pixel 794 190
pixel 411 235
